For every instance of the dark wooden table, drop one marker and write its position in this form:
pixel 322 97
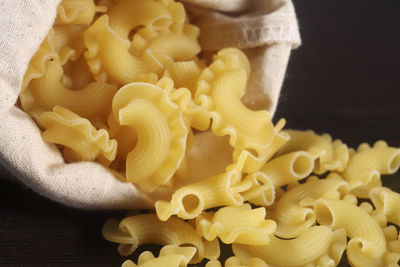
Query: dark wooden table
pixel 344 80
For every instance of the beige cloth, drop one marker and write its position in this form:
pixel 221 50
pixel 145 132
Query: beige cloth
pixel 266 29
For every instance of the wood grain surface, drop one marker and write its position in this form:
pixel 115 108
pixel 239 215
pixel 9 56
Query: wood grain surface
pixel 344 80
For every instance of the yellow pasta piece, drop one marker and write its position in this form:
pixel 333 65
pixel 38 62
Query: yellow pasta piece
pixel 368 163
pixel 393 244
pixel 390 258
pixel 328 155
pixel 189 201
pixel 318 246
pixel 365 233
pixel 148 13
pixel 280 171
pixel 197 116
pixel 262 190
pixel 62 44
pixel 161 133
pixel 108 55
pixel 67 42
pixel 249 226
pixel 294 215
pixel 184 74
pixel 36 69
pixel 126 137
pixel 236 262
pixel 288 168
pixel 251 161
pixel 220 89
pixel 76 12
pixel 212 250
pixel 49 85
pixel 37 65
pixel 359 260
pixel 170 255
pixel 174 21
pixel 150 49
pixel 91 101
pixel 387 202
pixel 176 46
pixel 213 263
pixel 67 128
pixel 133 231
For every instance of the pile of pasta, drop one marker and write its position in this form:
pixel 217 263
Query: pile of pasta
pixel 122 83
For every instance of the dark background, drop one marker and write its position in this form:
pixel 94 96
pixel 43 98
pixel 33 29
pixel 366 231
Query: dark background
pixel 344 80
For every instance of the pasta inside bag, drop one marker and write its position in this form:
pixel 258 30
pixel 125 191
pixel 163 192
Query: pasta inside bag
pixel 95 51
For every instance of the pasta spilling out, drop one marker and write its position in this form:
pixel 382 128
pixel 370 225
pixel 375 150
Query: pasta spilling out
pixel 220 88
pixel 123 83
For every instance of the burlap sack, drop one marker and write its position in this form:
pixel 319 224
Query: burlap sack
pixel 266 29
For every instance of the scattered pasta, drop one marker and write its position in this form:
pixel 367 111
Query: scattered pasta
pixel 137 230
pixel 249 227
pixel 170 255
pixel 323 246
pixel 123 83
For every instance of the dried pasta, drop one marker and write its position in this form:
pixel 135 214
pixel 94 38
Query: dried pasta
pixel 76 12
pixel 288 168
pixel 387 202
pixel 249 227
pixel 220 89
pixel 85 142
pixel 150 13
pixel 366 235
pixel 126 137
pixel 170 255
pixel 108 55
pixel 36 69
pixel 324 248
pixel 236 262
pixel 253 162
pixel 189 201
pixel 196 115
pixel 67 42
pixel 262 190
pixel 368 163
pixel 184 74
pixel 123 83
pixel 329 156
pixel 293 211
pixel 161 133
pixel 112 57
pixel 91 101
pixel 136 230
